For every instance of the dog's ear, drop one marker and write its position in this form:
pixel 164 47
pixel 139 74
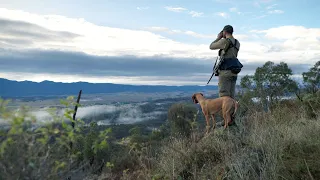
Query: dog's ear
pixel 201 94
pixel 194 99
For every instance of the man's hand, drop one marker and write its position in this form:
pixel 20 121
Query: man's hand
pixel 218 43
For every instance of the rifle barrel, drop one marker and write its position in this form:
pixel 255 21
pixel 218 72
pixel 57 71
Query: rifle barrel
pixel 213 69
pixel 210 78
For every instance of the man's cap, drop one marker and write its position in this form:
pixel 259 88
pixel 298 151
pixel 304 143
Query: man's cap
pixel 228 28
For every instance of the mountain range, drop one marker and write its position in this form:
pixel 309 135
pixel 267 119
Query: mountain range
pixel 9 88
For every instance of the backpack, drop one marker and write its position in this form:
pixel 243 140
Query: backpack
pixel 236 66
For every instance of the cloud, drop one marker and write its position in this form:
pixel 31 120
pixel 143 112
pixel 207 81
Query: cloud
pixel 181 9
pixel 159 29
pixel 276 11
pixel 223 14
pixel 266 1
pixel 268 9
pixel 290 33
pixel 18 32
pixel 296 68
pixel 271 6
pixel 235 10
pixel 226 1
pixel 176 31
pixel 260 17
pixel 195 14
pixel 133 115
pixel 42 115
pixel 293 42
pixel 58 62
pixel 175 9
pixel 72 67
pixel 121 114
pixel 190 33
pixel 197 79
pixel 257 3
pixel 96 40
pixel 91 111
pixel 58 48
pixel 194 34
pixel 142 8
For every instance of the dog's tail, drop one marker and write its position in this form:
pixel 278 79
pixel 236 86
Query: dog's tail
pixel 236 105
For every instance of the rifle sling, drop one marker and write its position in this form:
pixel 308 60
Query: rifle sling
pixel 232 63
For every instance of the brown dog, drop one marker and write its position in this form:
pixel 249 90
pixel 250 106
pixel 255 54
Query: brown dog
pixel 212 106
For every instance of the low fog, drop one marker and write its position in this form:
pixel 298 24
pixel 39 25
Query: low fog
pixel 104 114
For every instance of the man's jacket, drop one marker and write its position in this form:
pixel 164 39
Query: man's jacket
pixel 229 54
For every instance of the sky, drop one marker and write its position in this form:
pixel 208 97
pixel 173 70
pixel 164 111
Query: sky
pixel 156 42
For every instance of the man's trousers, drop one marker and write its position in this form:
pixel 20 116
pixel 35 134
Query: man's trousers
pixel 227 83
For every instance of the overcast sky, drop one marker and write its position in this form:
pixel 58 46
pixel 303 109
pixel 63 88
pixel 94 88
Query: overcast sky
pixel 150 42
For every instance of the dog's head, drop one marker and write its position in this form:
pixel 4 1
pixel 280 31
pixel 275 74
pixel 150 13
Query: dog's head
pixel 194 97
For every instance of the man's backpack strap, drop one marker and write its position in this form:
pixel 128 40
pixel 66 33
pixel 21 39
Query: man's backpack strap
pixel 235 66
pixel 231 44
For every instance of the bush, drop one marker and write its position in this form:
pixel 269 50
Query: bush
pixel 311 103
pixel 52 150
pixel 181 118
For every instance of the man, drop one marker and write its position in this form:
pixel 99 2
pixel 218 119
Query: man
pixel 230 67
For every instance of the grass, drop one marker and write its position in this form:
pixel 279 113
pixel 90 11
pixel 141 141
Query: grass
pixel 283 143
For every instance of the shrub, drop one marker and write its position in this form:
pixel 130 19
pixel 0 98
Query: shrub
pixel 43 150
pixel 181 118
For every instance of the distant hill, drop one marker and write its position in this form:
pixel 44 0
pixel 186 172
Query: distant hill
pixel 10 88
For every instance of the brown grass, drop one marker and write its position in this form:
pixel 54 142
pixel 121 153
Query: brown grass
pixel 281 144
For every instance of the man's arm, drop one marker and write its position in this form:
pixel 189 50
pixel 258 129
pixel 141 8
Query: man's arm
pixel 217 44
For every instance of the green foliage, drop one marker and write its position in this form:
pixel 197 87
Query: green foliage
pixel 271 81
pixel 311 103
pixel 135 131
pixel 53 150
pixel 160 134
pixel 181 118
pixel 312 78
pixel 246 104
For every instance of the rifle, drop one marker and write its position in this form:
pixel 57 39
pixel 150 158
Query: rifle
pixel 216 68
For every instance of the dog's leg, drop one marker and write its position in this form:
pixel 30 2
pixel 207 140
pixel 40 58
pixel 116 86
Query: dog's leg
pixel 227 119
pixel 233 116
pixel 208 123
pixel 213 121
pixel 207 116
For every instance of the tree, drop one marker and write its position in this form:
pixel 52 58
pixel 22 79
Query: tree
pixel 312 78
pixel 181 117
pixel 270 82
